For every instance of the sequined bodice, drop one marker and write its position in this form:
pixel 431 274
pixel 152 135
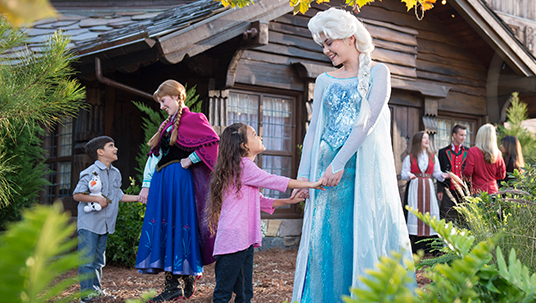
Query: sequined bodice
pixel 341 104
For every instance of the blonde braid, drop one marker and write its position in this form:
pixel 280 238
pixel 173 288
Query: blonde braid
pixel 156 137
pixel 173 138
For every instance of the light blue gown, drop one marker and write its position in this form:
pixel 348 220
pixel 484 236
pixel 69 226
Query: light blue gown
pixel 348 227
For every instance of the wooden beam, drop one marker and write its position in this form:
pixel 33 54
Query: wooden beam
pixel 495 32
pixel 208 33
pixel 429 90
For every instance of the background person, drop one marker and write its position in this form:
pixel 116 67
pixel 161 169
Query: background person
pixel 512 156
pixel 419 167
pixel 452 159
pixel 484 165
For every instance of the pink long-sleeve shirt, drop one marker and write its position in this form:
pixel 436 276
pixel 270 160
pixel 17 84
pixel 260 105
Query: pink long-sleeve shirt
pixel 240 218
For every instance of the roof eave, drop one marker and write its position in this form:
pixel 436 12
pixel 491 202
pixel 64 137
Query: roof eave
pixel 498 36
pixel 208 33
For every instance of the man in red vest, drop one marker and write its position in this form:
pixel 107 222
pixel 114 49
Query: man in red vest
pixel 452 159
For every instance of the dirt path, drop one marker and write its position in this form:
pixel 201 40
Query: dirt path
pixel 273 278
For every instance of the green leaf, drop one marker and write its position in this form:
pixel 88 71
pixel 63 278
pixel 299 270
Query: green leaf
pixel 35 252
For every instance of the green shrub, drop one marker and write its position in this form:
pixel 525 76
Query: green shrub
pixel 35 252
pixel 469 277
pixel 122 245
pixel 26 155
pixel 516 114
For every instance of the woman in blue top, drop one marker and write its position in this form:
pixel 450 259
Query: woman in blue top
pixel 359 217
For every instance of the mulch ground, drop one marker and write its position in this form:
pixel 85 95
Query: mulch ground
pixel 273 278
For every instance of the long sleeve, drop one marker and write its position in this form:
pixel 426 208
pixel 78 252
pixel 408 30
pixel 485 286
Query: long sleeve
pixel 305 162
pixel 267 204
pixel 437 170
pixel 252 175
pixel 83 182
pixel 380 92
pixel 148 172
pixel 405 174
pixel 469 168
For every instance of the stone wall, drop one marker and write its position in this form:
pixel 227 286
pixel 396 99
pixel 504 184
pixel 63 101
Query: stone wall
pixel 281 233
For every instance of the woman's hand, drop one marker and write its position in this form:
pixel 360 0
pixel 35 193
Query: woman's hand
pixel 331 179
pixel 144 193
pixel 412 176
pixel 445 176
pixel 186 162
pixel 301 192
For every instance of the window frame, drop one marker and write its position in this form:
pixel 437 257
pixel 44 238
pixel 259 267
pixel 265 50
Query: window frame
pixel 293 211
pixel 477 120
pixel 46 197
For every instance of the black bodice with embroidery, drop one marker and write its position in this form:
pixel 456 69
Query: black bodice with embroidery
pixel 171 153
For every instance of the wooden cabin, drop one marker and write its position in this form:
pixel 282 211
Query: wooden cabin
pixel 258 65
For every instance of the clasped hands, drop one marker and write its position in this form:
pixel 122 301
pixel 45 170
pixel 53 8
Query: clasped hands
pixel 328 179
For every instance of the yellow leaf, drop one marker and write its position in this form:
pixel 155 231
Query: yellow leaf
pixel 428 4
pixel 25 12
pixel 321 1
pixel 300 6
pixel 358 3
pixel 410 3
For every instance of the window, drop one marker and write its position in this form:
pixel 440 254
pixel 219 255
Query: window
pixel 444 129
pixel 273 118
pixel 58 144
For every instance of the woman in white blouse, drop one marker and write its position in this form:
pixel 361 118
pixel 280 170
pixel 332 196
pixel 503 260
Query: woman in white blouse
pixel 419 167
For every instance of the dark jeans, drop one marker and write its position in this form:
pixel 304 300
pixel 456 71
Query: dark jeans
pixel 234 273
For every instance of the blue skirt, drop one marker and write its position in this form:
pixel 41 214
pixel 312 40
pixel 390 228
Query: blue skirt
pixel 169 238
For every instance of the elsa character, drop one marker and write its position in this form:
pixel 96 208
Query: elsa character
pixel 348 144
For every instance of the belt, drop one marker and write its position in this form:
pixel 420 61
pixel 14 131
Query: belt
pixel 420 175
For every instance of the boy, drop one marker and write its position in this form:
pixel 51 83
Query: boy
pixel 94 226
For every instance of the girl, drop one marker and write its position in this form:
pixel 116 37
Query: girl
pixel 512 156
pixel 175 186
pixel 234 206
pixel 484 164
pixel 359 217
pixel 419 167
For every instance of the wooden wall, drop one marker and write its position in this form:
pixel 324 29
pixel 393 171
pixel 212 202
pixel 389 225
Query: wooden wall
pixel 521 8
pixel 420 54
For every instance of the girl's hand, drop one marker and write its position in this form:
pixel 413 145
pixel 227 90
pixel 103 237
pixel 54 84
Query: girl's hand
pixel 318 184
pixel 445 176
pixel 294 199
pixel 301 192
pixel 412 176
pixel 331 179
pixel 144 193
pixel 186 162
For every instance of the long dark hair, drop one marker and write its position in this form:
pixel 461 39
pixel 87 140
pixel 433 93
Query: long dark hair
pixel 512 151
pixel 416 146
pixel 233 142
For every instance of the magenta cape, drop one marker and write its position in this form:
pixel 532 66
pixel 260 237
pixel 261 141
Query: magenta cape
pixel 196 134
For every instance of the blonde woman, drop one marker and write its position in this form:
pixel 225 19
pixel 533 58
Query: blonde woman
pixel 359 217
pixel 485 164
